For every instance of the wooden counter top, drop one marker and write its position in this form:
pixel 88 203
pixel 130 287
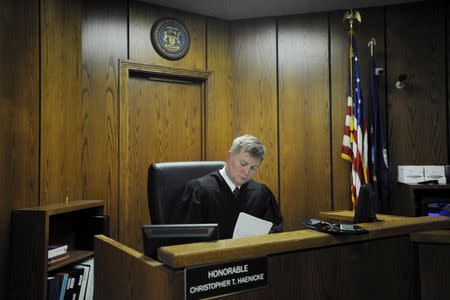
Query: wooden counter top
pixel 181 256
pixel 347 215
pixel 63 207
pixel 433 237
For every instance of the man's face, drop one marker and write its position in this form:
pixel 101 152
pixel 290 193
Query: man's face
pixel 241 167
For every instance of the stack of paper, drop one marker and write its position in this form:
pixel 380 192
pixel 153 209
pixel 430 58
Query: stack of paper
pixel 248 225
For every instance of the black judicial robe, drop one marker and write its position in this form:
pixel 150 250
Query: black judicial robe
pixel 209 199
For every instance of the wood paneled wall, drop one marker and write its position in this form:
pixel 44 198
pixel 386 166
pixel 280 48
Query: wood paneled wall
pixel 304 126
pixel 104 42
pixel 283 79
pixel 417 115
pixel 219 110
pixel 340 171
pixel 60 126
pixel 142 17
pixel 19 115
pixel 254 75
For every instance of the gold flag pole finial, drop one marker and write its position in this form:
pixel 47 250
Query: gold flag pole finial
pixel 351 15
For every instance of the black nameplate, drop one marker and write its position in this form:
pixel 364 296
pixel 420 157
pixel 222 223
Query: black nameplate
pixel 215 280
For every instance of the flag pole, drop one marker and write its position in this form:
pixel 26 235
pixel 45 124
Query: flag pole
pixel 372 43
pixel 351 134
pixel 350 16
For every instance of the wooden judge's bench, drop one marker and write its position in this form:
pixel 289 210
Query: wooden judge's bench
pixel 303 264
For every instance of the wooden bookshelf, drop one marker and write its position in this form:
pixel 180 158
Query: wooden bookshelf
pixel 34 228
pixel 74 256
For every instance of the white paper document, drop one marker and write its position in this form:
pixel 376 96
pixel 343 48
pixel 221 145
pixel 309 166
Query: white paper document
pixel 248 225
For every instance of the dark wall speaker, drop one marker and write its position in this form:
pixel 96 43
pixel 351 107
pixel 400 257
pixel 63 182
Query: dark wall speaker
pixel 90 226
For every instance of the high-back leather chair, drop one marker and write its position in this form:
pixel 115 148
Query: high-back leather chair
pixel 166 182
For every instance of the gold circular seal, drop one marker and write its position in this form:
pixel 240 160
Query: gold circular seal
pixel 170 38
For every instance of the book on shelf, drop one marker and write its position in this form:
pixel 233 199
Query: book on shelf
pixel 56 286
pixel 84 281
pixel 65 279
pixel 74 283
pixel 53 287
pixel 56 250
pixel 89 295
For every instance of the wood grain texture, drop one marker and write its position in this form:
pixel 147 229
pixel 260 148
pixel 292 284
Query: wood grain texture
pixel 254 81
pixel 372 26
pixel 219 108
pixel 346 272
pixel 322 273
pixel 104 40
pixel 29 228
pixel 60 164
pixel 35 228
pixel 448 79
pixel 304 118
pixel 160 121
pixel 347 216
pixel 416 113
pixel 373 269
pixel 77 129
pixel 62 207
pixel 341 169
pixel 141 18
pixel 19 115
pixel 434 263
pixel 145 277
pixel 434 237
pixel 273 244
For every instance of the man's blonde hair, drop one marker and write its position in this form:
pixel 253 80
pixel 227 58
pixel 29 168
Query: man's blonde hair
pixel 250 144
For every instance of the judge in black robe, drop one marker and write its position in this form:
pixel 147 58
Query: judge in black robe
pixel 209 199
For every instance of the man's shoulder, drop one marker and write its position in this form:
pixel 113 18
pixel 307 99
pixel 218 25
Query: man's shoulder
pixel 256 186
pixel 207 180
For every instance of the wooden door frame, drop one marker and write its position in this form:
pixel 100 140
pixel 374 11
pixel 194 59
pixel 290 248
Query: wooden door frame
pixel 164 73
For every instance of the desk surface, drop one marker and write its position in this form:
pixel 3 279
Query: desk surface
pixel 347 215
pixel 181 256
pixel 433 237
pixel 427 186
pixel 309 258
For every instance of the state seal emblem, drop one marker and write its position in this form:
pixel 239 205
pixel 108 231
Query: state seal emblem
pixel 170 38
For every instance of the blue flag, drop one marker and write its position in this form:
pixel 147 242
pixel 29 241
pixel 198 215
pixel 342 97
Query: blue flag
pixel 379 170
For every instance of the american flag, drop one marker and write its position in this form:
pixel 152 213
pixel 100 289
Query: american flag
pixel 355 144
